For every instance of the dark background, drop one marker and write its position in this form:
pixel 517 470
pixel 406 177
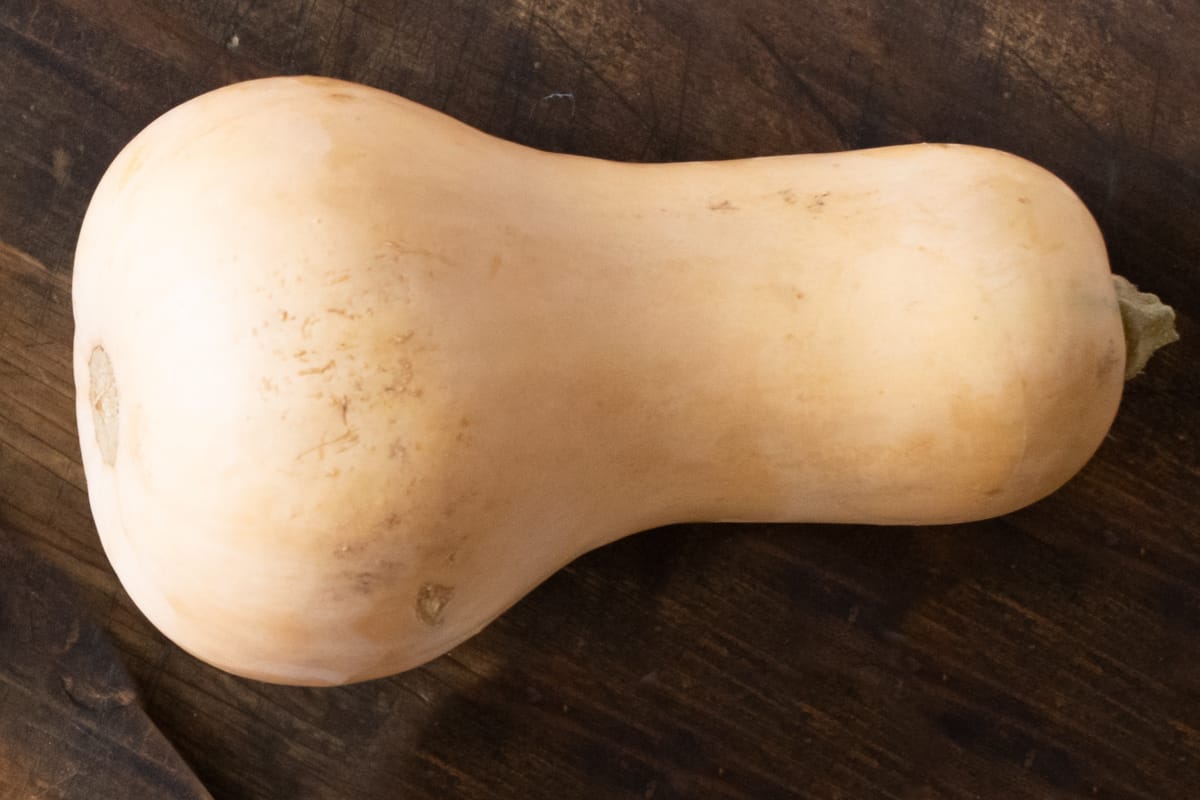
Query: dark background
pixel 1051 653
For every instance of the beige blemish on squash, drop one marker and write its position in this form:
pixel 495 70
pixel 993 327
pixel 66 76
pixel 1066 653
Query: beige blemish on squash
pixel 318 370
pixel 349 548
pixel 403 376
pixel 818 201
pixel 432 599
pixel 132 167
pixel 105 402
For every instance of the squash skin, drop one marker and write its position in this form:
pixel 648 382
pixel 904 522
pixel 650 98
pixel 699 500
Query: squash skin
pixel 380 374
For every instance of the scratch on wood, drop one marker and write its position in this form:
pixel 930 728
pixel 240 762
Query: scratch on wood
pixel 519 52
pixel 652 134
pixel 800 84
pixel 684 82
pixel 61 166
pixel 595 73
pixel 951 21
pixel 333 35
pixel 456 80
pixel 1058 97
pixel 1154 104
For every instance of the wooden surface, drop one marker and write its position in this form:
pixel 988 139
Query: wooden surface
pixel 70 725
pixel 1052 653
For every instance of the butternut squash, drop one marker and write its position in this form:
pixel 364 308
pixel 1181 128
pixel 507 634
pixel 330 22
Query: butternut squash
pixel 354 377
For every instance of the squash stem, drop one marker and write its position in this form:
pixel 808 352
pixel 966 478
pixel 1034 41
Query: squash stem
pixel 1149 324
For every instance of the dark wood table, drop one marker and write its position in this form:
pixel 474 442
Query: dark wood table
pixel 1051 653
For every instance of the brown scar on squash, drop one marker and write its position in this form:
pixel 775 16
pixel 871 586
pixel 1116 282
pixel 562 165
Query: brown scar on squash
pixel 318 370
pixel 432 599
pixel 342 403
pixel 343 443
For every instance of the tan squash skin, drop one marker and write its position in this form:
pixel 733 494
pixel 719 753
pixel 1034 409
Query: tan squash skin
pixel 375 375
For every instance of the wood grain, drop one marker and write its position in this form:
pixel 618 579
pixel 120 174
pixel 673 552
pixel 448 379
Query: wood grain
pixel 1052 653
pixel 71 725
